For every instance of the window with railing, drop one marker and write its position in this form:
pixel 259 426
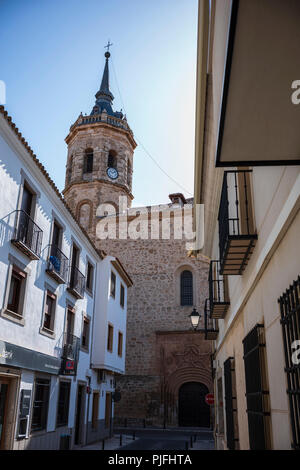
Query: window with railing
pixel 231 404
pixel 58 264
pixel 70 354
pixel 27 235
pixel 237 234
pixel 77 282
pixel 211 328
pixel 218 291
pixel 257 393
pixel 289 304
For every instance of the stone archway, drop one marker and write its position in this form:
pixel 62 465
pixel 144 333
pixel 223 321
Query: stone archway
pixel 192 409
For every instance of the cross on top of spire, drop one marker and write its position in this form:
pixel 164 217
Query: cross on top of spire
pixel 108 45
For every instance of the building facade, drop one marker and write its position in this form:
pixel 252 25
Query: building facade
pixel 252 219
pixel 63 312
pixel 166 363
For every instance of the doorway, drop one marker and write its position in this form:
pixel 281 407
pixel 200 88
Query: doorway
pixel 4 384
pixel 192 409
pixel 108 404
pixel 79 414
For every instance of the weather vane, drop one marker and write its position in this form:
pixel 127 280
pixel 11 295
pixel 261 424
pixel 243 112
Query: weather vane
pixel 108 45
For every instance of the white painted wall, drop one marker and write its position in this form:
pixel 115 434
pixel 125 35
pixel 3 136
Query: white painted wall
pixel 15 161
pixel 109 310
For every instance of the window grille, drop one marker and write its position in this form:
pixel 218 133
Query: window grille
pixel 230 404
pixel 257 394
pixel 289 304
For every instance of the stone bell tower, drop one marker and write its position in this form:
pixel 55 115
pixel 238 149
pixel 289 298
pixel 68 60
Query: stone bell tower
pixel 100 158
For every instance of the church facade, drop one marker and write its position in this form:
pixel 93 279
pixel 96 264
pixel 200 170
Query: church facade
pixel 168 370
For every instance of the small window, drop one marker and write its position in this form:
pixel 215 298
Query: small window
pixel 186 288
pixel 15 296
pixel 110 338
pixel 40 404
pixel 49 313
pixel 112 159
pixel 27 200
pixel 120 344
pixel 89 276
pixel 85 333
pixel 88 161
pixel 122 296
pixel 113 284
pixel 63 403
pixel 56 235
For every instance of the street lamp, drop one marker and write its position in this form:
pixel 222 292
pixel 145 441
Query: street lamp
pixel 195 317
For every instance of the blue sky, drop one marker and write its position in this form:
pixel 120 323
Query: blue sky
pixel 52 59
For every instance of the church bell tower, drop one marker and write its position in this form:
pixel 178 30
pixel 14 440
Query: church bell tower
pixel 100 158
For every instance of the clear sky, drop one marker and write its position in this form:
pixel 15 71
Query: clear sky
pixel 52 59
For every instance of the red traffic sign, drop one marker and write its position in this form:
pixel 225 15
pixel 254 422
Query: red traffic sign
pixel 209 399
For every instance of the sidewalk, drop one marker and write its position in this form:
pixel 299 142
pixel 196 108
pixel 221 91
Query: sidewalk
pixel 111 443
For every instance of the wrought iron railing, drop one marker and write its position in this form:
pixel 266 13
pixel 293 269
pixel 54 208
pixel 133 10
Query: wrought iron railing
pixel 236 221
pixel 70 347
pixel 58 262
pixel 211 328
pixel 218 288
pixel 289 304
pixel 218 291
pixel 27 233
pixel 77 281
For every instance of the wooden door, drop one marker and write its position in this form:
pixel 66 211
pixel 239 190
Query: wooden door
pixel 107 409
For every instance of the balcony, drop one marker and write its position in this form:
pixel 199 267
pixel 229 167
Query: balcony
pixel 218 291
pixel 70 353
pixel 27 235
pixel 77 283
pixel 211 329
pixel 57 265
pixel 237 235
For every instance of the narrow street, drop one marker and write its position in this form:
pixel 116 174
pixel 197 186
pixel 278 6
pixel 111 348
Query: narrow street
pixel 170 439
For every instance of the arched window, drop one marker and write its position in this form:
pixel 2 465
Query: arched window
pixel 112 159
pixel 84 213
pixel 88 161
pixel 186 288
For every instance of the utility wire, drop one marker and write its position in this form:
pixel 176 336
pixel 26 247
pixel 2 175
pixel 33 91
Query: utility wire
pixel 140 143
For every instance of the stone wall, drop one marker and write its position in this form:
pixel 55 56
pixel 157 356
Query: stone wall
pixel 154 312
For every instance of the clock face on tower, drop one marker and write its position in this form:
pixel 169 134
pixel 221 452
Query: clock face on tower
pixel 112 173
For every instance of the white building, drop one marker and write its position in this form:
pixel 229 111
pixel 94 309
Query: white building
pixel 62 312
pixel 247 175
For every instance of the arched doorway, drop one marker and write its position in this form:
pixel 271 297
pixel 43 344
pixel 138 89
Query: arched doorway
pixel 192 409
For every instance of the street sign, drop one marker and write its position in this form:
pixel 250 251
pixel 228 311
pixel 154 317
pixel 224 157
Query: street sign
pixel 209 399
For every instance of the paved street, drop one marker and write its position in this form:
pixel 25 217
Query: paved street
pixel 170 439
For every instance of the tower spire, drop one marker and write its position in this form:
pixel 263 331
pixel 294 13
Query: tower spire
pixel 104 91
pixel 104 96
